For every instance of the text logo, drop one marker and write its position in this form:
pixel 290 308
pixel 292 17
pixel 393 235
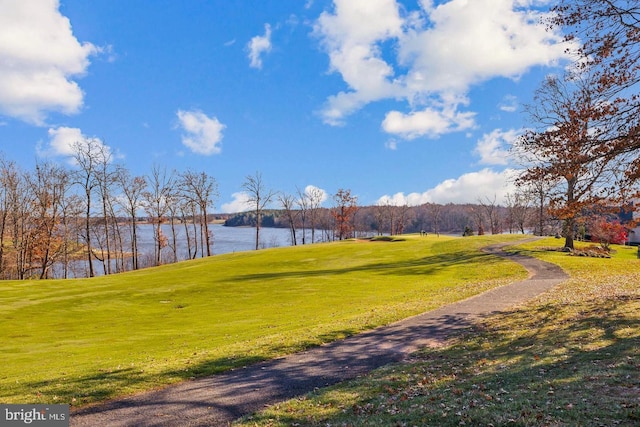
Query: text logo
pixel 34 415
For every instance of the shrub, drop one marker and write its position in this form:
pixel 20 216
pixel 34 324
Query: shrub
pixel 607 232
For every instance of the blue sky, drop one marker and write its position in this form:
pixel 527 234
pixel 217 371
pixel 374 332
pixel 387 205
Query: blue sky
pixel 399 101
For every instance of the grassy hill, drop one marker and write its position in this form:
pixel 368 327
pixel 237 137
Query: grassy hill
pixel 571 357
pixel 85 340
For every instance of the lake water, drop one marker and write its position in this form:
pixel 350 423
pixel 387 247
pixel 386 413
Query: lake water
pixel 224 240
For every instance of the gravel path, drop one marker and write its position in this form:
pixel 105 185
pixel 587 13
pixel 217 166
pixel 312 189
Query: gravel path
pixel 217 400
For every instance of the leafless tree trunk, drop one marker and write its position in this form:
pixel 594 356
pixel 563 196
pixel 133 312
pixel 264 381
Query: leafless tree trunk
pixel 315 198
pixel 287 201
pixel 105 177
pixel 156 198
pixel 435 210
pixel 491 211
pixel 132 188
pixel 88 155
pixel 8 174
pixel 403 217
pixel 173 206
pixel 71 210
pixel 201 189
pixel 518 207
pixel 303 204
pixel 259 197
pixel 18 204
pixel 478 218
pixel 379 215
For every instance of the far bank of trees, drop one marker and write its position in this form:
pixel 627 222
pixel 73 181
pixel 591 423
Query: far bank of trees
pixel 345 219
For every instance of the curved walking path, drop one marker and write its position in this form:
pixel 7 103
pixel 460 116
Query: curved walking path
pixel 218 400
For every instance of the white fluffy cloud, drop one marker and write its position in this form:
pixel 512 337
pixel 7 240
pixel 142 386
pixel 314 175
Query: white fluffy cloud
pixel 39 58
pixel 467 42
pixel 202 134
pixel 441 52
pixel 351 36
pixel 258 46
pixel 493 148
pixel 63 139
pixel 240 203
pixel 468 188
pixel 430 121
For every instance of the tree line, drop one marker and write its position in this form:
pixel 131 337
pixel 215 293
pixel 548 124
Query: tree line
pixel 87 216
pixel 83 219
pixel 580 158
pixel 518 213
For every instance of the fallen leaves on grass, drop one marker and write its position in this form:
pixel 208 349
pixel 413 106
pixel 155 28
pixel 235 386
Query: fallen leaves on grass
pixel 570 357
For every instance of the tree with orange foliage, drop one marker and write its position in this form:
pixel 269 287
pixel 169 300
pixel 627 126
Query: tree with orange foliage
pixel 609 35
pixel 607 232
pixel 343 212
pixel 566 147
pixel 48 185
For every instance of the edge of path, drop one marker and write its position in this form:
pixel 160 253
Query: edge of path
pixel 220 399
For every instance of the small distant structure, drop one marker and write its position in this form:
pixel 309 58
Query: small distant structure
pixel 634 233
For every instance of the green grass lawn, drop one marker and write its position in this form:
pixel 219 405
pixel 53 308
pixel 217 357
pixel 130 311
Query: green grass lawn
pixel 571 357
pixel 87 340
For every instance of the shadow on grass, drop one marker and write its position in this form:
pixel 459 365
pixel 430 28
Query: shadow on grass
pixel 102 386
pixel 428 265
pixel 386 239
pixel 557 370
pixel 107 384
pixel 216 400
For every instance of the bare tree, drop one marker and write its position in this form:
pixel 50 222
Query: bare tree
pixel 390 216
pixel 477 215
pixel 380 216
pixel 518 210
pixel 491 212
pixel 160 184
pixel 201 189
pixel 173 207
pixel 287 202
pixel 105 174
pixel 8 175
pixel 403 215
pixel 435 210
pixel 258 197
pixel 132 190
pixel 188 209
pixel 309 202
pixel 71 211
pixel 88 155
pixel 303 204
pixel 19 203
